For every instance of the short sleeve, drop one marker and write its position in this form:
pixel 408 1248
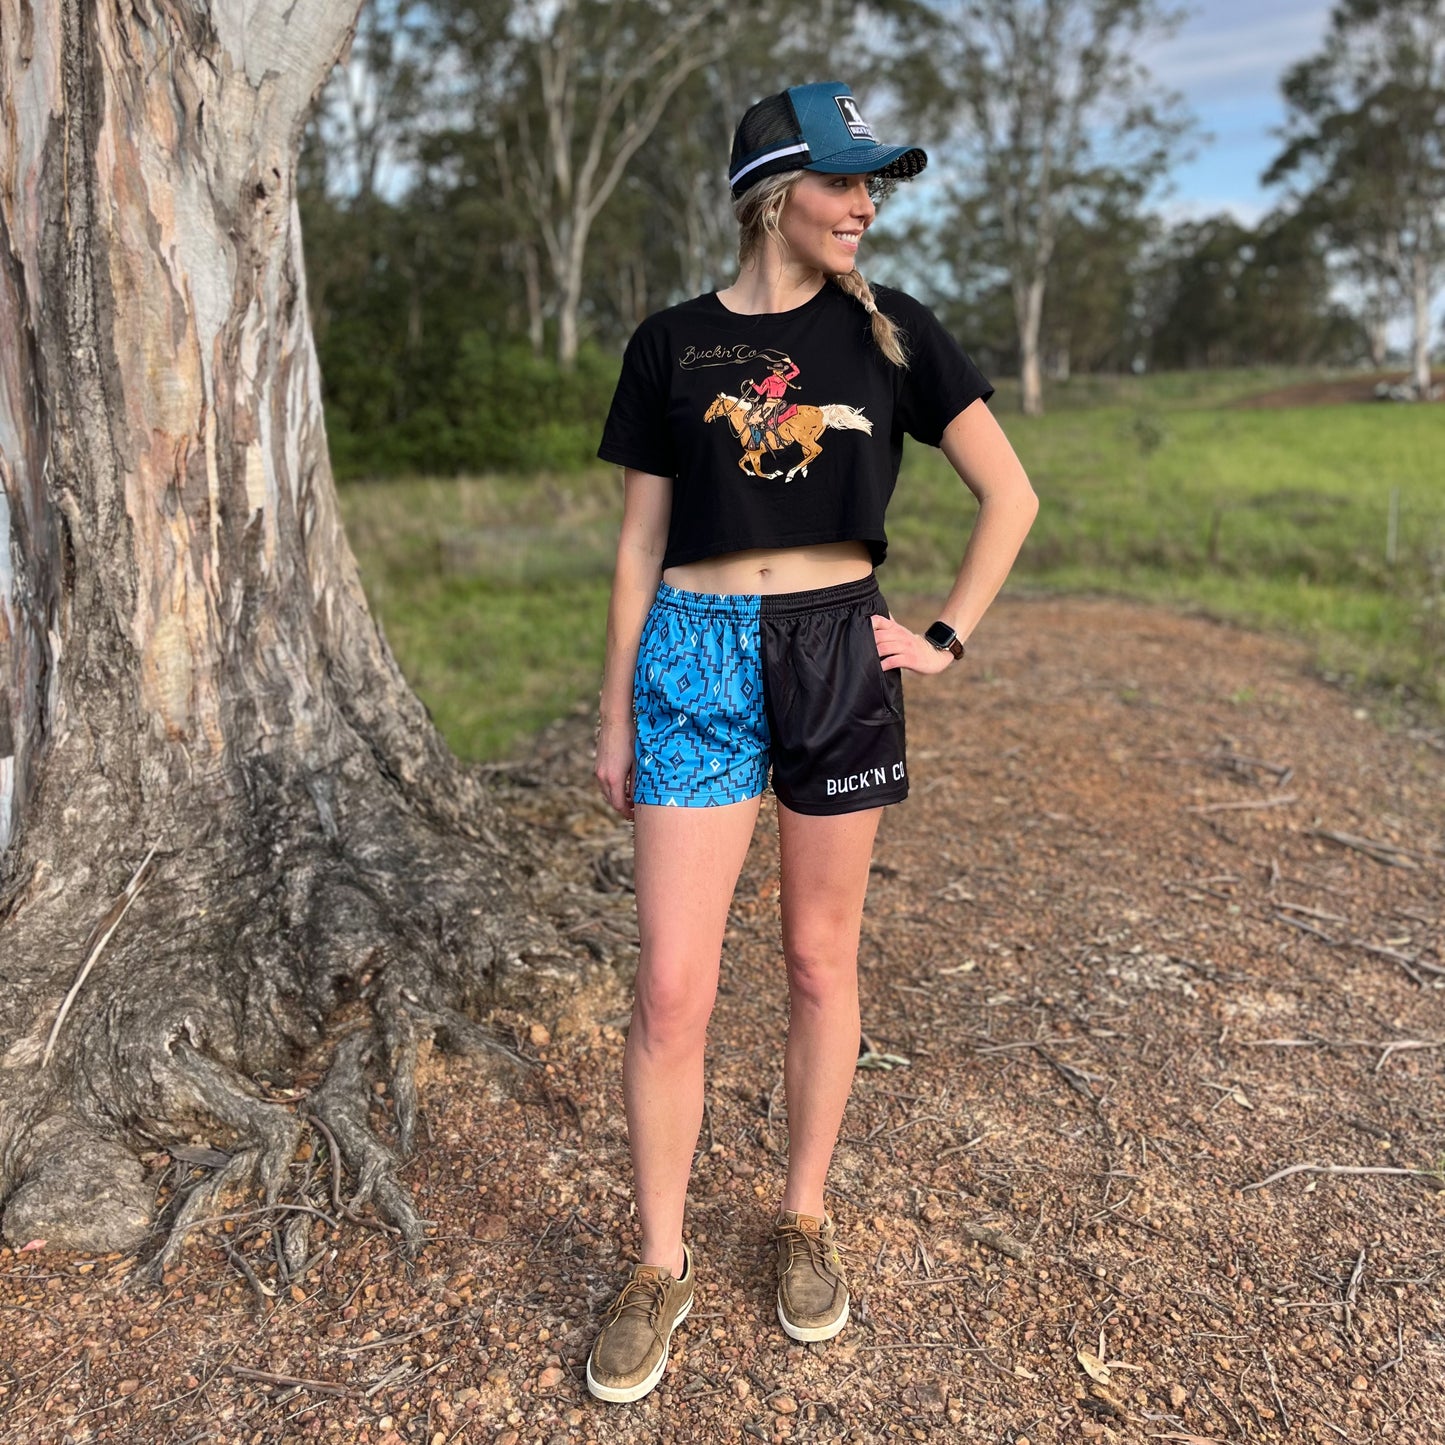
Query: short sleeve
pixel 941 379
pixel 636 434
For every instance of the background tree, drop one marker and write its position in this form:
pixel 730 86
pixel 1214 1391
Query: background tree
pixel 1058 118
pixel 223 814
pixel 1365 150
pixel 593 79
pixel 1221 293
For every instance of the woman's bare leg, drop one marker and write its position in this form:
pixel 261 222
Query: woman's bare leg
pixel 824 880
pixel 687 865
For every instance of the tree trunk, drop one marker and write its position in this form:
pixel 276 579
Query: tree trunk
pixel 1420 340
pixel 573 258
pixel 217 793
pixel 1029 311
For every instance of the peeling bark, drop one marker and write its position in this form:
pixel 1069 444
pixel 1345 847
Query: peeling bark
pixel 189 663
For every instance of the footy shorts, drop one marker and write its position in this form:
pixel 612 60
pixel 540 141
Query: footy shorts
pixel 729 687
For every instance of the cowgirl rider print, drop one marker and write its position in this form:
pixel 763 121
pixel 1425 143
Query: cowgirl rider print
pixel 769 394
pixel 748 646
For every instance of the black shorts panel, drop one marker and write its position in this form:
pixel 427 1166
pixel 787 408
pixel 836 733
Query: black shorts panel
pixel 835 717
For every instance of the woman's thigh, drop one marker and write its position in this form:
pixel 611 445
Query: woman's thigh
pixel 687 862
pixel 824 880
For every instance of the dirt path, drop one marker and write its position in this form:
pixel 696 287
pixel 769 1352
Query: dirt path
pixel 1134 976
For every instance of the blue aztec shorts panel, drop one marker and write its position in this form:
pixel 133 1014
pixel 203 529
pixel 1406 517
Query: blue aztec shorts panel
pixel 731 687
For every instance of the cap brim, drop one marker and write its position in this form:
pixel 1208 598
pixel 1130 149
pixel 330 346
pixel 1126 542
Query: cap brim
pixel 891 162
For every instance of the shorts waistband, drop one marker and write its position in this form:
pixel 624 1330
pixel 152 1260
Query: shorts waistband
pixel 746 605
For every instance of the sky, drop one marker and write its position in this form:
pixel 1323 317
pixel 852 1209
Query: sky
pixel 1226 61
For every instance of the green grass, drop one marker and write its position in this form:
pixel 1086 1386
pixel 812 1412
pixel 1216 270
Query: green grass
pixel 493 590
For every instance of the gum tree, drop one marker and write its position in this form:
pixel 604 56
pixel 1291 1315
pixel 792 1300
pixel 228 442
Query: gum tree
pixel 1365 150
pixel 224 816
pixel 1058 119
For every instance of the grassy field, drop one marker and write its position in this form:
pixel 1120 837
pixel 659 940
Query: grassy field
pixel 493 590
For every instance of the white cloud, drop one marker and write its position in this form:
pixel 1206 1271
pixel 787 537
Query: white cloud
pixel 1234 47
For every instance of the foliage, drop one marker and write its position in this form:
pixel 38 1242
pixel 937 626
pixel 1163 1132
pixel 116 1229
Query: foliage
pixel 1225 294
pixel 1365 149
pixel 1067 131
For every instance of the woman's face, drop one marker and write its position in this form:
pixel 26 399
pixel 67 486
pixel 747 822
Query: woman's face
pixel 824 219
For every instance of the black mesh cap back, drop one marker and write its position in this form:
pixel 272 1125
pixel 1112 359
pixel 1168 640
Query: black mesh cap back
pixel 769 125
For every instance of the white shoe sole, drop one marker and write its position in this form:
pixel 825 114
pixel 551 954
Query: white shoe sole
pixel 626 1394
pixel 818 1332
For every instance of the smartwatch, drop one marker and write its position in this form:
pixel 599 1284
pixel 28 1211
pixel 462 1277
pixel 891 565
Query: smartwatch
pixel 945 639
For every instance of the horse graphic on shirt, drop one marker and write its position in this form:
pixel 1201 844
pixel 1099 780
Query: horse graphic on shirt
pixel 801 424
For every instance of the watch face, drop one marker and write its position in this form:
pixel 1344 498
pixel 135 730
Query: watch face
pixel 941 635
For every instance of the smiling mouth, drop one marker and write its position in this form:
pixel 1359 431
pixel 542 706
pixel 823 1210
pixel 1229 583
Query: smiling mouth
pixel 849 238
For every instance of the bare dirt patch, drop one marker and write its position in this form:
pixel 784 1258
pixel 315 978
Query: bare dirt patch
pixel 1341 392
pixel 1162 919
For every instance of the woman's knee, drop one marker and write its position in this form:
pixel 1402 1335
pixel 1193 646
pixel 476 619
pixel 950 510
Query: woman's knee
pixel 671 1008
pixel 821 968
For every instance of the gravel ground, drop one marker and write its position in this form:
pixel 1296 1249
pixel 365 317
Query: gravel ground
pixel 1161 922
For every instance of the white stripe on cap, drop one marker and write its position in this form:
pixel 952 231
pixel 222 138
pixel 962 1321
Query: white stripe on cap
pixel 770 156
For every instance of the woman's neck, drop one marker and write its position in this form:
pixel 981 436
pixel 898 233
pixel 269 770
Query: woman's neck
pixel 761 288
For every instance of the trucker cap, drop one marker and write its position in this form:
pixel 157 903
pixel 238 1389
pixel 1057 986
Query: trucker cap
pixel 815 128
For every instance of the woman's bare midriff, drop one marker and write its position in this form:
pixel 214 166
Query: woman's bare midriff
pixel 770 570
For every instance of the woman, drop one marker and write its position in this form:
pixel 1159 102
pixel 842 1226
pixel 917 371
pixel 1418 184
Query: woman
pixel 746 633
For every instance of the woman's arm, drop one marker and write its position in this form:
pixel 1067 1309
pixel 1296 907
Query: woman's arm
pixel 646 510
pixel 980 453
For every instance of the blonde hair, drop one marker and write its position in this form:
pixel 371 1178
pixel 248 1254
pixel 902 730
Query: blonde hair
pixel 759 212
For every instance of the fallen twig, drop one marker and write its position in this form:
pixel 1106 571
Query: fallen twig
pixel 1338 1169
pixel 1386 1046
pixel 1244 805
pixel 99 937
pixel 1352 1290
pixel 992 1239
pixel 1390 854
pixel 1274 1386
pixel 322 1387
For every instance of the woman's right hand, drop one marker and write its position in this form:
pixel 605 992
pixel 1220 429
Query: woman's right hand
pixel 616 759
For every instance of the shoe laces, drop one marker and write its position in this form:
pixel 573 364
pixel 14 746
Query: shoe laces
pixel 641 1295
pixel 800 1241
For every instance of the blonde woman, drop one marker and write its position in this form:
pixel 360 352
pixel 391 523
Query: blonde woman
pixel 748 645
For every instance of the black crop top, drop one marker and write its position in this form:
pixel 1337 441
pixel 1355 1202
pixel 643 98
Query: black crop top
pixel 785 429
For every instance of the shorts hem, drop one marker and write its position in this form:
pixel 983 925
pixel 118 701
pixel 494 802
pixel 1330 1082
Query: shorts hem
pixel 696 802
pixel 837 807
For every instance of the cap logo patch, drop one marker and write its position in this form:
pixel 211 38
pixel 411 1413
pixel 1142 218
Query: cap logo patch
pixel 858 128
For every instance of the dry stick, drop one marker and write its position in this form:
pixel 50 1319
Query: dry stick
pixel 1338 1169
pixel 1399 1344
pixel 1352 1290
pixel 1392 854
pixel 1386 1046
pixel 1408 961
pixel 99 937
pixel 322 1387
pixel 1244 805
pixel 1311 912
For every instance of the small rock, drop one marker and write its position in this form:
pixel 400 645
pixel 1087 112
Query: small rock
pixel 742 1389
pixel 1177 1396
pixel 550 1378
pixel 128 1387
pixel 539 1035
pixel 785 1405
pixel 508 1437
pixel 1359 1383
pixel 490 1227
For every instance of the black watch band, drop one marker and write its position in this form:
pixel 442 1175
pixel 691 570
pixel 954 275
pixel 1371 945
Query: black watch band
pixel 945 639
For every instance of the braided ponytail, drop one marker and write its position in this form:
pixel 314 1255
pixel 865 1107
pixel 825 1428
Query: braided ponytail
pixel 759 211
pixel 886 336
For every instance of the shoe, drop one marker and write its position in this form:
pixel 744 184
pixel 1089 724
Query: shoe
pixel 630 1352
pixel 812 1293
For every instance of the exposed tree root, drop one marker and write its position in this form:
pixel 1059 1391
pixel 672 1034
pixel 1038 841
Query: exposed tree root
pixel 227 976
